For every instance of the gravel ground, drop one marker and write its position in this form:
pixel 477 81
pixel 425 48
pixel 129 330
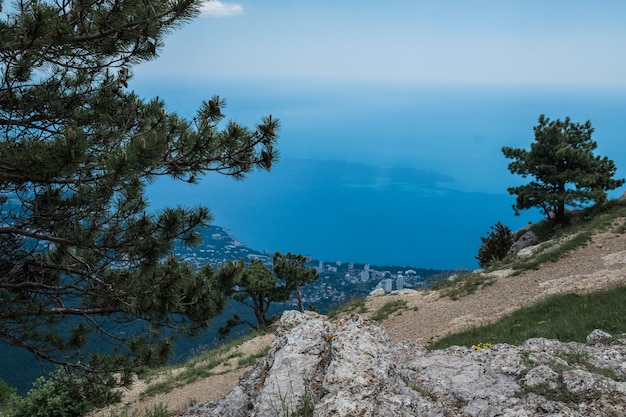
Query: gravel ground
pixel 599 265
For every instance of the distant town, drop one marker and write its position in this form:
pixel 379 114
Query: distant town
pixel 339 281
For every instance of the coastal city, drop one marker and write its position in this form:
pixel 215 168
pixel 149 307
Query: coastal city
pixel 338 281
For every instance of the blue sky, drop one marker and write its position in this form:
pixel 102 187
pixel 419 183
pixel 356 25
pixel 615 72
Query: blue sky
pixel 412 101
pixel 531 42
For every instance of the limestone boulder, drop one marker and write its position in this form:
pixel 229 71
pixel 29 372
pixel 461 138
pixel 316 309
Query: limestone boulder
pixel 349 367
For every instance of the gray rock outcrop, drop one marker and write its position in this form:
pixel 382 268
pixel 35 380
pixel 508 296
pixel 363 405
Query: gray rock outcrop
pixel 527 238
pixel 349 367
pixel 377 292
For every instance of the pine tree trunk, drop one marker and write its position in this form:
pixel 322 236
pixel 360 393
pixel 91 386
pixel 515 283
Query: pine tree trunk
pixel 299 295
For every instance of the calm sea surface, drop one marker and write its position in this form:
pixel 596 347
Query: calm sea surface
pixel 384 174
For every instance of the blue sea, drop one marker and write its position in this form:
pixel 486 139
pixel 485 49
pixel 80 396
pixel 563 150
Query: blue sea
pixel 381 173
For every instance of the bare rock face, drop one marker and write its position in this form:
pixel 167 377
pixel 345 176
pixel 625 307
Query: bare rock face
pixel 349 367
pixel 527 239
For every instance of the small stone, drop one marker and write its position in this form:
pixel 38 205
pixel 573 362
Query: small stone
pixel 541 375
pixel 598 335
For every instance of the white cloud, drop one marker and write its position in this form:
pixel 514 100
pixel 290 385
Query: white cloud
pixel 216 8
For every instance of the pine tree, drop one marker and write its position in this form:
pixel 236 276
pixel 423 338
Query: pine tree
pixel 292 269
pixel 566 171
pixel 81 254
pixel 255 286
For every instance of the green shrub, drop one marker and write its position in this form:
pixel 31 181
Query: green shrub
pixel 7 393
pixel 62 395
pixel 463 284
pixel 495 245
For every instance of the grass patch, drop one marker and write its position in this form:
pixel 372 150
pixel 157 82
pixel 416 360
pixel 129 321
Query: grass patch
pixel 251 359
pixel 388 309
pixel 551 254
pixel 609 373
pixel 566 317
pixel 286 408
pixel 463 284
pixel 580 226
pixel 560 394
pixel 581 358
pixel 424 391
pixel 596 218
pixel 198 367
pixel 355 305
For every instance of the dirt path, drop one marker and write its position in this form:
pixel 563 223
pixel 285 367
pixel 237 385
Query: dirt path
pixel 599 265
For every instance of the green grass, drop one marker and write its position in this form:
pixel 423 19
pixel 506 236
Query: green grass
pixel 423 390
pixel 597 217
pixel 285 408
pixel 463 284
pixel 388 309
pixel 251 359
pixel 592 219
pixel 569 317
pixel 355 305
pixel 560 394
pixel 552 254
pixel 198 367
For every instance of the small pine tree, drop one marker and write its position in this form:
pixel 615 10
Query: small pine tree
pixel 255 286
pixel 292 269
pixel 495 246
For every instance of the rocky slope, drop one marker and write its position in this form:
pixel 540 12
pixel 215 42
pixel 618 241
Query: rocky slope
pixel 350 367
pixel 599 265
pixel 355 366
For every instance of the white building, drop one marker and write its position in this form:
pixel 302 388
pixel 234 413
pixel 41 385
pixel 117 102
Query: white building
pixel 365 276
pixel 400 282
